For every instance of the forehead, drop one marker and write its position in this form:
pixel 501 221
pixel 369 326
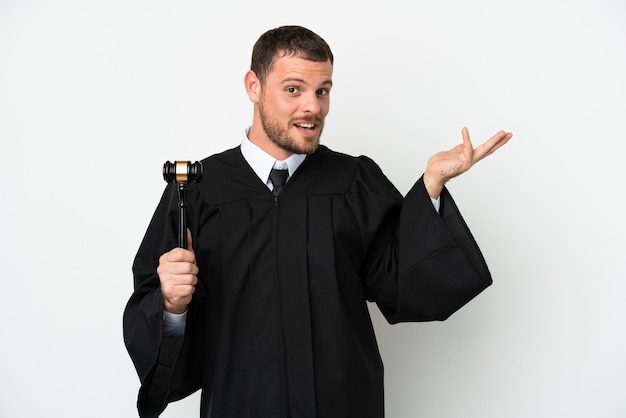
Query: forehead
pixel 294 66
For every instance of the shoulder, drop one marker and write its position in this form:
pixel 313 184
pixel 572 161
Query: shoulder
pixel 326 157
pixel 331 172
pixel 227 177
pixel 228 158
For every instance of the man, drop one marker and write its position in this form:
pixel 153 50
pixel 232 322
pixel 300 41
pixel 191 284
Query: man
pixel 266 311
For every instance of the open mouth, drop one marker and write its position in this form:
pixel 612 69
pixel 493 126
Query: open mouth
pixel 309 126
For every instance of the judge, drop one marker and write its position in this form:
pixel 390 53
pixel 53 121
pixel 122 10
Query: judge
pixel 266 311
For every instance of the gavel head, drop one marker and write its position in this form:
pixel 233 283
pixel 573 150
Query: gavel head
pixel 182 172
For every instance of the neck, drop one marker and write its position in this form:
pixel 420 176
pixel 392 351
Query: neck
pixel 259 138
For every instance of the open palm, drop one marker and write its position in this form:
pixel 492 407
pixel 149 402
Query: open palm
pixel 445 165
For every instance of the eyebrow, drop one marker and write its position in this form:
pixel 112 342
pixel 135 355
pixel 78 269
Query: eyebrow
pixel 328 82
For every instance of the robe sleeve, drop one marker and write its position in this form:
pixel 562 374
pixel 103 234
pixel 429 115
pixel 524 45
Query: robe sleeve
pixel 421 265
pixel 162 363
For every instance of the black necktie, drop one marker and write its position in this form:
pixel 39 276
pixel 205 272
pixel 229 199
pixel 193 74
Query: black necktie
pixel 278 178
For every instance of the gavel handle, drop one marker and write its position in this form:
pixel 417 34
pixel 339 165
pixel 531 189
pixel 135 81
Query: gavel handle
pixel 182 215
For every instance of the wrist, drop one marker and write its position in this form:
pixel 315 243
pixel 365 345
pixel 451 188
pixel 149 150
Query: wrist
pixel 433 185
pixel 174 309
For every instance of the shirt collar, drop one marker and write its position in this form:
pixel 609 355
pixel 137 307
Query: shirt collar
pixel 262 163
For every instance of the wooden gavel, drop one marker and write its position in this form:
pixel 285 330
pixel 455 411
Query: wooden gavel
pixel 182 173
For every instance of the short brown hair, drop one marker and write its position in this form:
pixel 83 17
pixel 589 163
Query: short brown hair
pixel 289 40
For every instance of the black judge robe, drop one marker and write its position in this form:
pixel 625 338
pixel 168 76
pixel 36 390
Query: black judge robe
pixel 279 325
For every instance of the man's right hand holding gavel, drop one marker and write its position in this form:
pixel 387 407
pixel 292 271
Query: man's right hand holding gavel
pixel 177 272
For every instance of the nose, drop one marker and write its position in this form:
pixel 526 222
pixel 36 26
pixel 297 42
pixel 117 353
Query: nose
pixel 311 103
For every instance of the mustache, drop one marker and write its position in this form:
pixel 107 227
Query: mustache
pixel 308 119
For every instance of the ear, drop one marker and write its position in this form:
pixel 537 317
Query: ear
pixel 253 86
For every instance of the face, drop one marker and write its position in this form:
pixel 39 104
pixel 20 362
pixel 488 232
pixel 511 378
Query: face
pixel 294 102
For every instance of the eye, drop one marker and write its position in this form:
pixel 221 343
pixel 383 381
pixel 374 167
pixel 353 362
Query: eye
pixel 292 90
pixel 322 92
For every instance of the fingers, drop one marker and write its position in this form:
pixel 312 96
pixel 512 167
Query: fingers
pixel 498 140
pixel 177 262
pixel 466 137
pixel 491 145
pixel 446 165
pixel 177 271
pixel 179 289
pixel 178 255
pixel 468 148
pixel 177 296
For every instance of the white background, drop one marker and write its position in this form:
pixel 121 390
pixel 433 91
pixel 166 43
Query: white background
pixel 96 96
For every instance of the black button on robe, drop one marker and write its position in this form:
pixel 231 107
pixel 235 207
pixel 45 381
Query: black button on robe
pixel 279 325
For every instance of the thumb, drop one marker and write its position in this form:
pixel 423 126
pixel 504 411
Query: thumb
pixel 189 243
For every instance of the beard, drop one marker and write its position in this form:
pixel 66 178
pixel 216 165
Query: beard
pixel 279 135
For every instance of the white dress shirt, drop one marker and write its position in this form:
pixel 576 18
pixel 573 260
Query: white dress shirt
pixel 262 163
